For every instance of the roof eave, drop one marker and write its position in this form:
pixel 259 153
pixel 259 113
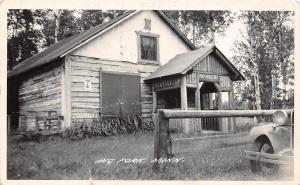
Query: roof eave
pixel 160 77
pixel 236 74
pixel 231 66
pixel 12 73
pixel 15 72
pixel 196 61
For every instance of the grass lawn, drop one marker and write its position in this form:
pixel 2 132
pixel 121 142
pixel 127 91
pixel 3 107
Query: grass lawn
pixel 57 158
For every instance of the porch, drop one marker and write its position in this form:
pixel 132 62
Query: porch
pixel 183 95
pixel 196 80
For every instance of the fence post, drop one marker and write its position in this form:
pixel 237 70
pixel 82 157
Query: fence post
pixel 156 140
pixel 162 142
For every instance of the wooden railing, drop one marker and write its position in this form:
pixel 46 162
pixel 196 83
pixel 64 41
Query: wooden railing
pixel 162 133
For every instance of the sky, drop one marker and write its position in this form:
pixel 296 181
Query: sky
pixel 232 34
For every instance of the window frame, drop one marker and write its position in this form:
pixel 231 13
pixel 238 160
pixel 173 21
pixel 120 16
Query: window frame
pixel 148 61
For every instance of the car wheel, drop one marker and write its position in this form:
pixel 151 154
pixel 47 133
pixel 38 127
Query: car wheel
pixel 259 167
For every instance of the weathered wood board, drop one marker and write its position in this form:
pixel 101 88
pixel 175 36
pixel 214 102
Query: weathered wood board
pixel 87 103
pixel 39 91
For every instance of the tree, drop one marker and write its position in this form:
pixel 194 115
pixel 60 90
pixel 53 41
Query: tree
pixel 22 38
pixel 91 18
pixel 30 31
pixel 57 25
pixel 281 51
pixel 264 54
pixel 202 26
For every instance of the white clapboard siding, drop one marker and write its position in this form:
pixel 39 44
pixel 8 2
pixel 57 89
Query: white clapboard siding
pixel 84 103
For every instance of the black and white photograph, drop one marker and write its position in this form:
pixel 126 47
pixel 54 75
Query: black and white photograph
pixel 149 94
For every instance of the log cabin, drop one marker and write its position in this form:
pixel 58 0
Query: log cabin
pixel 134 64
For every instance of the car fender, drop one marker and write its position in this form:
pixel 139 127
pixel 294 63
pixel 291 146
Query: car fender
pixel 278 136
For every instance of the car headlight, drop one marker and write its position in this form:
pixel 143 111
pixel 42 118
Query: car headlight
pixel 279 117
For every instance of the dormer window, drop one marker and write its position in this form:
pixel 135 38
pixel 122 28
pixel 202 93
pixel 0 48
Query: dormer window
pixel 148 50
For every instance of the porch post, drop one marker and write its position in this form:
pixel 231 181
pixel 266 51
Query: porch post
pixel 220 105
pixel 154 109
pixel 231 101
pixel 230 120
pixel 198 106
pixel 223 123
pixel 197 96
pixel 184 106
pixel 183 93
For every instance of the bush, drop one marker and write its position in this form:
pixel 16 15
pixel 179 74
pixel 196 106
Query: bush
pixel 30 136
pixel 83 128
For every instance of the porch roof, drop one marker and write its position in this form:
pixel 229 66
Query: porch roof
pixel 182 63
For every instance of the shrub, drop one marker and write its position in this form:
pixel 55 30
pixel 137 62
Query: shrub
pixel 30 136
pixel 83 128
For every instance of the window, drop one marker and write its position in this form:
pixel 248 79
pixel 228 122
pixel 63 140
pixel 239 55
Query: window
pixel 148 49
pixel 121 94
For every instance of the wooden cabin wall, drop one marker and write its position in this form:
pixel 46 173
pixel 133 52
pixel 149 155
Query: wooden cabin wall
pixel 226 83
pixel 210 69
pixel 84 103
pixel 146 101
pixel 212 65
pixel 87 104
pixel 39 90
pixel 146 91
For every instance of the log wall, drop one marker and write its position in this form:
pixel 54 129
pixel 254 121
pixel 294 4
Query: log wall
pixel 87 104
pixel 39 90
pixel 84 103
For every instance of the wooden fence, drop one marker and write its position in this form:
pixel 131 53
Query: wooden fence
pixel 162 132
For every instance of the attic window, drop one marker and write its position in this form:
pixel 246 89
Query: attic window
pixel 148 50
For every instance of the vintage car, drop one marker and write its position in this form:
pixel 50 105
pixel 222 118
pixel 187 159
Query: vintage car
pixel 272 143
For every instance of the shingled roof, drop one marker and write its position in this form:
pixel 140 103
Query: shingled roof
pixel 182 63
pixel 59 49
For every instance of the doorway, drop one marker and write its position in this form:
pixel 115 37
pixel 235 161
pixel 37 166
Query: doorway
pixel 209 101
